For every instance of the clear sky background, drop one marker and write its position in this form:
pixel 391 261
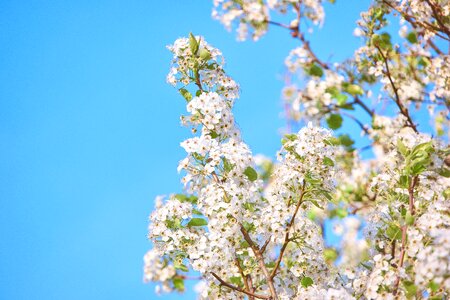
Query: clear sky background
pixel 90 134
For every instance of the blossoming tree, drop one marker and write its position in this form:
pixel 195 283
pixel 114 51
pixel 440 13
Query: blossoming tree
pixel 250 228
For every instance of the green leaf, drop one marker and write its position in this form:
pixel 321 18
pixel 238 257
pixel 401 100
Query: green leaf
pixel 412 37
pixel 193 43
pixel 315 70
pixel 330 254
pixel 197 222
pixel 307 281
pixel 342 99
pixel 409 219
pixel 404 181
pixel 402 148
pixel 197 212
pixel 173 224
pixel 316 204
pixel 181 267
pixel 334 121
pixel 184 198
pixel 248 226
pixel 236 280
pixel 204 54
pixel 354 89
pixel 394 232
pixel 178 284
pixel 227 166
pixel 444 172
pixel 185 93
pixel 345 140
pixel 251 174
pixel 328 161
pixel 433 286
pixel 410 288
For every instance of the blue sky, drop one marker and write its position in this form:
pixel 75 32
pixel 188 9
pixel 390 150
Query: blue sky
pixel 90 132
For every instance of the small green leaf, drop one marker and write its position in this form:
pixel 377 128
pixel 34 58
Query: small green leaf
pixel 197 212
pixel 184 198
pixel 409 219
pixel 248 226
pixel 315 70
pixel 291 136
pixel 354 89
pixel 236 280
pixel 316 204
pixel 412 37
pixel 444 172
pixel 185 93
pixel 197 222
pixel 341 99
pixel 307 281
pixel 433 286
pixel 410 288
pixel 402 148
pixel 204 54
pixel 334 121
pixel 345 140
pixel 394 232
pixel 181 267
pixel 178 284
pixel 404 181
pixel 227 166
pixel 330 254
pixel 193 43
pixel 251 174
pixel 328 161
pixel 213 134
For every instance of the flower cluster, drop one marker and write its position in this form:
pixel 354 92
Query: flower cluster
pixel 252 228
pixel 253 16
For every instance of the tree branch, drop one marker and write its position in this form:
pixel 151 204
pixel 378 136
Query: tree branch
pixel 260 259
pixel 397 100
pixel 238 289
pixel 286 237
pixel 404 230
pixel 244 278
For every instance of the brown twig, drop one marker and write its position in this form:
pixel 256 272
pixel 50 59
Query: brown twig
pixel 236 288
pixel 286 237
pixel 244 278
pixel 260 259
pixel 397 100
pixel 364 106
pixel 364 128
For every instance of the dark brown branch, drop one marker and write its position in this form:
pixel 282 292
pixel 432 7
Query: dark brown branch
pixel 263 248
pixel 438 17
pixel 364 128
pixel 260 259
pixel 244 278
pixel 364 106
pixel 238 289
pixel 413 22
pixel 397 100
